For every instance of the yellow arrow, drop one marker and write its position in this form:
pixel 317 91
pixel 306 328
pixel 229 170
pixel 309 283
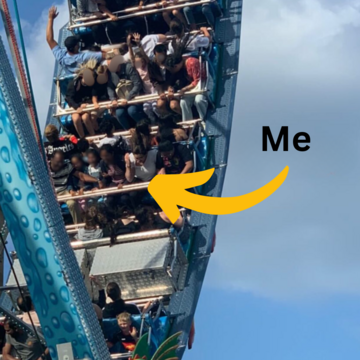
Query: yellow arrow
pixel 169 191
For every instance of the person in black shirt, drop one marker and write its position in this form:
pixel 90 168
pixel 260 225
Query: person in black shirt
pixel 174 159
pixel 54 143
pixel 127 336
pixel 118 305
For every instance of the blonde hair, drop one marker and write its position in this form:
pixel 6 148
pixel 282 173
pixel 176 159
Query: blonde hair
pixel 90 65
pixel 101 69
pixel 125 317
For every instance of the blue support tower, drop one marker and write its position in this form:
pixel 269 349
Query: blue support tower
pixel 38 233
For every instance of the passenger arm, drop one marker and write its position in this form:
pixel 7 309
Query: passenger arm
pixel 130 171
pixel 106 11
pixel 136 80
pixel 50 27
pixel 6 352
pixel 85 177
pixel 189 165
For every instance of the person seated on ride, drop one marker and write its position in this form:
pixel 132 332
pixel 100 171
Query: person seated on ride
pixel 196 78
pixel 142 164
pixel 107 127
pixel 91 230
pixel 29 315
pixel 117 304
pixel 142 63
pixel 149 220
pixel 127 336
pixel 174 158
pixel 102 32
pixel 189 42
pixel 114 174
pixel 125 83
pixel 141 135
pixel 69 58
pixel 80 93
pixel 83 145
pixel 27 347
pixel 93 159
pixel 79 164
pixel 62 175
pixel 170 130
pixel 209 10
pixel 54 143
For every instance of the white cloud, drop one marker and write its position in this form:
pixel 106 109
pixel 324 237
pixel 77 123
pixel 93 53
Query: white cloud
pixel 298 67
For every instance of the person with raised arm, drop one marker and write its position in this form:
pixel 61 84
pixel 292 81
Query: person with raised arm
pixel 70 58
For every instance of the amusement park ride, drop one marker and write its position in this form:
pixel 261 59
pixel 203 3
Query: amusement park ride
pixel 153 266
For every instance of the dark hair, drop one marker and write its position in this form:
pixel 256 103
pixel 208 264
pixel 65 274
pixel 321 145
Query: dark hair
pixel 58 152
pixel 173 59
pixel 107 127
pixel 167 133
pixel 113 291
pixel 83 145
pixel 93 152
pixel 176 27
pixel 139 150
pixel 145 217
pixel 123 49
pixel 24 304
pixel 108 148
pixel 165 146
pixel 160 48
pixel 142 134
pixel 104 215
pixel 78 157
pixel 91 217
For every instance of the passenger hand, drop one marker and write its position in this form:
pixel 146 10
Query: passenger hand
pixel 164 3
pixel 127 159
pixel 133 332
pixel 104 175
pixel 140 7
pixel 120 186
pixel 182 92
pixel 101 185
pixel 94 189
pixel 81 192
pixel 123 102
pixel 53 13
pixel 113 17
pixel 96 106
pixel 72 193
pixel 162 96
pixel 170 93
pixel 203 29
pixel 129 39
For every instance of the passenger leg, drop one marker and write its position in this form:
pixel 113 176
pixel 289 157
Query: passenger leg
pixel 201 104
pixel 113 30
pixel 136 112
pixel 76 118
pixel 99 34
pixel 186 103
pixel 209 15
pixel 86 118
pixel 179 15
pixel 121 115
pixel 94 116
pixel 175 106
pixel 167 17
pixel 189 17
pixel 75 211
pixel 148 110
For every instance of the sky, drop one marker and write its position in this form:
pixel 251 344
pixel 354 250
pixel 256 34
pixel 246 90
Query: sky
pixel 284 281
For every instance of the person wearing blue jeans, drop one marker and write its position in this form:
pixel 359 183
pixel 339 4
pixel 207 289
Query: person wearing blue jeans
pixel 135 112
pixel 208 11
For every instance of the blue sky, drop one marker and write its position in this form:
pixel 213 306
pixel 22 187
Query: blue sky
pixel 284 282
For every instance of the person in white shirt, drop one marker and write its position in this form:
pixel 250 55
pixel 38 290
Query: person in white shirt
pixel 190 42
pixel 142 164
pixel 108 128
